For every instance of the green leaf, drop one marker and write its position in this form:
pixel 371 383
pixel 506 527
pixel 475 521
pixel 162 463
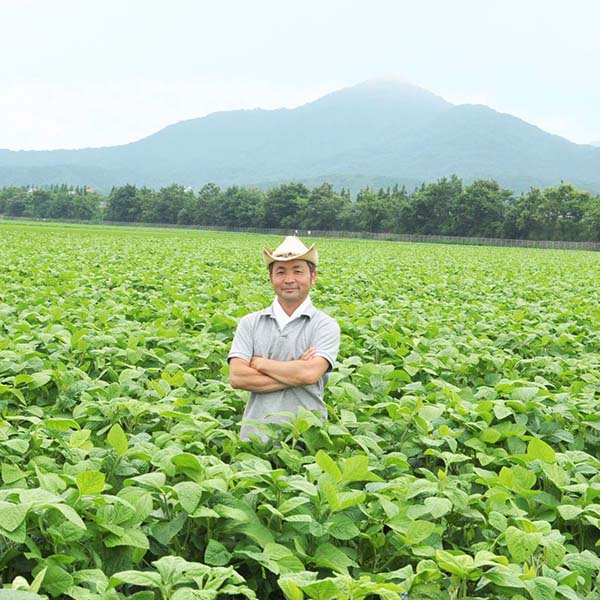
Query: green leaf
pixel 327 555
pixel 431 413
pixel 302 518
pixel 11 515
pixel 56 581
pixel 349 499
pixel 418 531
pixel 355 468
pixel 501 412
pixel 290 589
pixel 553 554
pixel 185 460
pixel 90 482
pixel 524 394
pixel 517 478
pixel 421 487
pixel 189 495
pixel 57 424
pixel 566 592
pixel 141 578
pixel 40 379
pixel 457 564
pixel 145 595
pixel 328 465
pixel 329 491
pixel 342 527
pixel 489 436
pixel 18 535
pixel 540 450
pixel 19 595
pixel 165 531
pixel 322 590
pixel 541 588
pixel 11 473
pixel 229 512
pixel 292 504
pixel 569 511
pixel 216 554
pixel 586 563
pixel 70 514
pixel 129 537
pixel 20 446
pixel 140 499
pixel 556 474
pixel 80 438
pixel 523 479
pixel 285 559
pixel 498 521
pixel 175 569
pixel 38 580
pixel 117 439
pixel 154 480
pixel 97 578
pixel 438 507
pixel 521 545
pixel 504 577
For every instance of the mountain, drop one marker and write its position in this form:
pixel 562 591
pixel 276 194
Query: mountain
pixel 376 133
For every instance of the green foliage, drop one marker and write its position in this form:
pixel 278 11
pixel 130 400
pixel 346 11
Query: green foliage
pixel 444 207
pixel 459 459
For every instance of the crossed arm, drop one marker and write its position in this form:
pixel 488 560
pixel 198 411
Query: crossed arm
pixel 266 375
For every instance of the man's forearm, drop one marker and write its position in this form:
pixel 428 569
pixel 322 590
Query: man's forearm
pixel 293 373
pixel 248 378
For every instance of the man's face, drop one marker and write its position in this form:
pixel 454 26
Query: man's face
pixel 292 281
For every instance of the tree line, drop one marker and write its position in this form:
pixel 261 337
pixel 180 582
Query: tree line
pixel 444 207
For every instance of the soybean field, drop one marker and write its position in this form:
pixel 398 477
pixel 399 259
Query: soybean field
pixel 460 458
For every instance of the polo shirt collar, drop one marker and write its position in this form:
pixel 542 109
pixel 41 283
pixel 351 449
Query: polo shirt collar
pixel 306 308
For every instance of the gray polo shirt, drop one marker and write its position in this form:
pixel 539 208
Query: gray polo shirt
pixel 259 335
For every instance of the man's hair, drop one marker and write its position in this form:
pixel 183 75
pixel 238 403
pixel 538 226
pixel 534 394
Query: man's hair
pixel 311 267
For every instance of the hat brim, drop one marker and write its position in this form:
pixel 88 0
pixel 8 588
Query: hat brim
pixel 310 255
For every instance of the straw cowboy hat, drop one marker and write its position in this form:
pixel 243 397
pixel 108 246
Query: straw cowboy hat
pixel 291 249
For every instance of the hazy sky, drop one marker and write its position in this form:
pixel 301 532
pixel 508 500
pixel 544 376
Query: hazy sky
pixel 77 73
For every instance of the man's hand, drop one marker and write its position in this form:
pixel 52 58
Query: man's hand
pixel 308 369
pixel 312 351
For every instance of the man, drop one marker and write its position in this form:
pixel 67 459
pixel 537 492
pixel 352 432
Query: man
pixel 282 354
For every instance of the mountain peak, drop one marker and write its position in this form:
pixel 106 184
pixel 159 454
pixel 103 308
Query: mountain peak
pixel 389 83
pixel 385 93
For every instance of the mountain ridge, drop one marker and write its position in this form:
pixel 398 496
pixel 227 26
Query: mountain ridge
pixel 375 130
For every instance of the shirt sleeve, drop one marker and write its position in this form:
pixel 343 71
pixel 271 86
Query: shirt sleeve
pixel 327 341
pixel 242 345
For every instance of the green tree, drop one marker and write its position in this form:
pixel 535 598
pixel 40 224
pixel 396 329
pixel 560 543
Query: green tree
pixel 431 209
pixel 40 203
pixel 283 206
pixel 324 209
pixel 563 209
pixel 123 204
pixel 591 219
pixel 14 201
pixel 480 210
pixel 240 207
pixel 170 201
pixel 373 211
pixel 207 205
